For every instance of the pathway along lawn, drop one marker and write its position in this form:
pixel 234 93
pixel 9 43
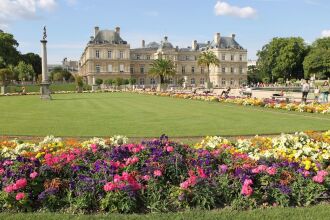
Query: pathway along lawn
pixel 134 115
pixel 314 212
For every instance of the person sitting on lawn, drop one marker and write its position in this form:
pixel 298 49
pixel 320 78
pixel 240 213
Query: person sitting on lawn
pixel 225 92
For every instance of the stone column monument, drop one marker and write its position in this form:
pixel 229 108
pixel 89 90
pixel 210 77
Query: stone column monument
pixel 44 85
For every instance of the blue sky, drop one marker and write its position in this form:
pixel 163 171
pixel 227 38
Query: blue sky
pixel 70 23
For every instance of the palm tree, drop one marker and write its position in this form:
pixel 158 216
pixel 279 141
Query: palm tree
pixel 208 58
pixel 162 68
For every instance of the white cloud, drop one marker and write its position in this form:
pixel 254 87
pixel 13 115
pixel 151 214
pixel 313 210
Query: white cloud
pixel 325 33
pixel 222 8
pixel 47 4
pixel 12 10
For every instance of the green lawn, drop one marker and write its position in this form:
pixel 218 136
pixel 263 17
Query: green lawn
pixel 105 114
pixel 54 87
pixel 314 212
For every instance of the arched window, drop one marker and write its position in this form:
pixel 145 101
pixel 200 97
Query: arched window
pixel 202 81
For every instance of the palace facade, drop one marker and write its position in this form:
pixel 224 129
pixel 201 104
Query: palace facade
pixel 108 56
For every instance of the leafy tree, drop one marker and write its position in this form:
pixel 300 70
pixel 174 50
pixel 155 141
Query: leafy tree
pixel 8 49
pixel 318 60
pixel 5 76
pixel 282 58
pixel 60 74
pixel 162 68
pixel 99 81
pixel 118 81
pixel 2 63
pixel 132 81
pixel 208 58
pixel 253 74
pixel 79 83
pixel 25 71
pixel 109 81
pixel 34 60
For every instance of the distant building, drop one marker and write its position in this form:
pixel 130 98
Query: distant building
pixel 108 56
pixel 251 62
pixel 70 65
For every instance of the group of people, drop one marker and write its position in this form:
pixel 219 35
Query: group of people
pixel 321 93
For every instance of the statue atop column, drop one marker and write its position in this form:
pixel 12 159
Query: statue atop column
pixel 45 33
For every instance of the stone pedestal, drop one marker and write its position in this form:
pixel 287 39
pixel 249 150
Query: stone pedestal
pixel 3 90
pixel 95 88
pixel 45 91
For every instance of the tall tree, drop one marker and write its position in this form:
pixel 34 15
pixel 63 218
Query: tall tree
pixel 25 71
pixel 282 58
pixel 253 74
pixel 8 49
pixel 60 74
pixel 162 68
pixel 208 58
pixel 5 76
pixel 34 60
pixel 318 60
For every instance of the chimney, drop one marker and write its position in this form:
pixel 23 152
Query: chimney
pixel 217 38
pixel 92 38
pixel 96 30
pixel 194 45
pixel 143 44
pixel 118 30
pixel 233 36
pixel 165 38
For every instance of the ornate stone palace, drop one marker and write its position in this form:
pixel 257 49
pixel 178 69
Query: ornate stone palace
pixel 108 56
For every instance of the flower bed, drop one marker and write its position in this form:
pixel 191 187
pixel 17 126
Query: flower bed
pixel 112 175
pixel 312 107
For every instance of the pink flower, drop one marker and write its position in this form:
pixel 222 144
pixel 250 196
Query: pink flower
pixel 116 178
pixel 20 196
pixel 94 148
pixel 201 173
pixel 184 185
pixel 306 173
pixel 271 170
pixel 146 177
pixel 169 149
pixel 109 186
pixel 322 173
pixel 9 189
pixel 247 190
pixel 223 168
pixel 262 168
pixel 255 170
pixel 158 173
pixel 21 183
pixel 1 171
pixel 248 182
pixel 33 175
pixel 318 179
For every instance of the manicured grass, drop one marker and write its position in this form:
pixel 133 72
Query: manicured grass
pixel 53 87
pixel 134 115
pixel 314 212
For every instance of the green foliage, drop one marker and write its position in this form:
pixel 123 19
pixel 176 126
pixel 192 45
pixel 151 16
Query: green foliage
pixel 126 81
pixel 208 58
pixel 34 60
pixel 108 81
pixel 98 81
pixel 60 74
pixel 79 81
pixel 25 71
pixel 8 49
pixel 253 74
pixel 282 58
pixel 118 81
pixel 132 81
pixel 119 202
pixel 280 80
pixel 318 60
pixel 5 75
pixel 162 68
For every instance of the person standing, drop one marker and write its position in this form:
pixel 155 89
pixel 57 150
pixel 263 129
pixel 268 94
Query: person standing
pixel 325 92
pixel 305 91
pixel 316 93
